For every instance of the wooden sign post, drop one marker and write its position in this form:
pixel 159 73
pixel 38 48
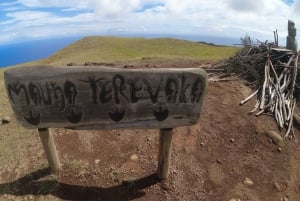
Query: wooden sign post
pixel 164 152
pixel 50 149
pixel 98 97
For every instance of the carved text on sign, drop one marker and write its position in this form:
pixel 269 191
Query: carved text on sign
pixel 81 96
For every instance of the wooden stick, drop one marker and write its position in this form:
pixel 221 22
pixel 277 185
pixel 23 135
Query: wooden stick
pixel 290 60
pixel 285 84
pixel 284 110
pixel 288 104
pixel 259 113
pixel 294 74
pixel 290 126
pixel 255 107
pixel 50 149
pixel 262 102
pixel 271 99
pixel 165 145
pixel 248 98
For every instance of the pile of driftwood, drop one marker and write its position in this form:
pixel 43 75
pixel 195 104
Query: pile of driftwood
pixel 272 71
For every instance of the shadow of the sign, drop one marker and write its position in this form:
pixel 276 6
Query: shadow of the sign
pixel 32 184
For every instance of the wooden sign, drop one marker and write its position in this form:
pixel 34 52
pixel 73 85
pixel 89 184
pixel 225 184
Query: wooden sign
pixel 99 97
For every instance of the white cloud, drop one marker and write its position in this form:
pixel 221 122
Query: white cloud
pixel 32 16
pixel 246 5
pixel 296 8
pixel 229 18
pixel 109 8
pixel 11 9
pixel 54 3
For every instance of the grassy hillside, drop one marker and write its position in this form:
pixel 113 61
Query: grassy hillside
pixel 114 49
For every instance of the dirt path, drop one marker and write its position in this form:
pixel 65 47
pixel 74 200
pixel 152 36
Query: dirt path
pixel 225 157
pixel 211 160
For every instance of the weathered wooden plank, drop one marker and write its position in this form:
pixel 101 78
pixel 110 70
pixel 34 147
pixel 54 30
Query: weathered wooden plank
pixel 98 97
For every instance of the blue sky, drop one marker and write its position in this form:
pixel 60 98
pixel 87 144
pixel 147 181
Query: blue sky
pixel 22 20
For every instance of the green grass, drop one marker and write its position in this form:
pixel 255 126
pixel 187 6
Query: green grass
pixel 114 49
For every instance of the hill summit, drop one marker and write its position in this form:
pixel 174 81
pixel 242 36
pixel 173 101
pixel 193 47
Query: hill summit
pixel 98 49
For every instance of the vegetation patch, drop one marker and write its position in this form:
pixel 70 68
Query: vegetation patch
pixel 114 49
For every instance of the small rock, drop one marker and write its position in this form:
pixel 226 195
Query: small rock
pixel 276 137
pixel 97 161
pixel 231 140
pixel 280 186
pixel 134 157
pixel 279 149
pixel 277 187
pixel 284 199
pixel 6 119
pixel 235 199
pixel 219 161
pixel 248 182
pixel 165 185
pixel 71 64
pixel 202 144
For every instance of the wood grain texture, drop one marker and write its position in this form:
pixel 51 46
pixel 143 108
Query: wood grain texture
pixel 96 97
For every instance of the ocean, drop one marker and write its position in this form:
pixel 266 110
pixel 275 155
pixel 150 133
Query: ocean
pixel 12 54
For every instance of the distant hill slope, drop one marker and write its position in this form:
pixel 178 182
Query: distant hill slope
pixel 114 49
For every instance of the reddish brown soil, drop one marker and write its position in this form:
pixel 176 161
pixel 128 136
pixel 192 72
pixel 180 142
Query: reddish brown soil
pixel 210 160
